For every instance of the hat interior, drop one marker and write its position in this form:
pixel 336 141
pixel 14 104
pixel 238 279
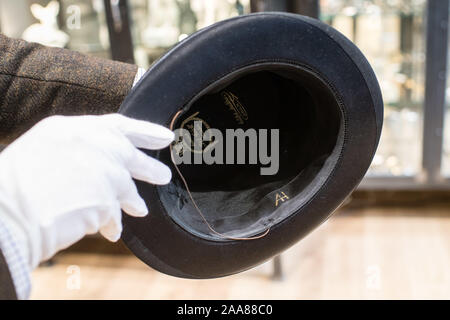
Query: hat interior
pixel 235 199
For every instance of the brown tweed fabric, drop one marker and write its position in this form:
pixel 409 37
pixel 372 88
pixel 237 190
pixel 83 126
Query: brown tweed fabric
pixel 37 81
pixel 7 290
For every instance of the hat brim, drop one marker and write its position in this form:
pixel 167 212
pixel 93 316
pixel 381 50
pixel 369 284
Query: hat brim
pixel 222 50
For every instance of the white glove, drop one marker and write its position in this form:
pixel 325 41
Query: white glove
pixel 71 176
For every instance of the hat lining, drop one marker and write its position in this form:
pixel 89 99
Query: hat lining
pixel 237 201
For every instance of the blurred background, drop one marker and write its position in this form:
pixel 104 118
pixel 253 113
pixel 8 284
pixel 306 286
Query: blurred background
pixel 391 239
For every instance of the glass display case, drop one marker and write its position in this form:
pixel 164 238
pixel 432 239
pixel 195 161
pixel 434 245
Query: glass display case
pixel 74 24
pixel 446 144
pixel 81 25
pixel 391 34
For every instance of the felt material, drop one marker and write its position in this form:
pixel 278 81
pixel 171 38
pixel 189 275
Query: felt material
pixel 342 109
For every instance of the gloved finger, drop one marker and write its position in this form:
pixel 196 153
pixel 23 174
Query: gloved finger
pixel 142 134
pixel 145 168
pixel 112 227
pixel 130 200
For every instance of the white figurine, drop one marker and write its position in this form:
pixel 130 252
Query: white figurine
pixel 46 31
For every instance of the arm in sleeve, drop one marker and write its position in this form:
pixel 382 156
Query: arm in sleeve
pixel 37 82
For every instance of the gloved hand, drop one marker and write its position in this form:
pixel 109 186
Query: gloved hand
pixel 71 176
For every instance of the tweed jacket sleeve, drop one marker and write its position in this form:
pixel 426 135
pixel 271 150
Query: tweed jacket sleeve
pixel 37 82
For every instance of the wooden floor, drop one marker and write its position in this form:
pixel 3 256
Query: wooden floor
pixel 392 253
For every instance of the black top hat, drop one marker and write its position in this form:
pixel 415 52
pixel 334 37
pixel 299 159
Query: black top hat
pixel 262 71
